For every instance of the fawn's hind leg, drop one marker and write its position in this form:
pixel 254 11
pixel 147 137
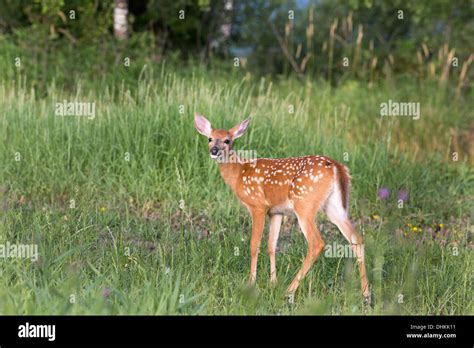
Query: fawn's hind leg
pixel 339 216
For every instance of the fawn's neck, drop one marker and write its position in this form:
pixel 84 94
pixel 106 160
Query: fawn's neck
pixel 230 171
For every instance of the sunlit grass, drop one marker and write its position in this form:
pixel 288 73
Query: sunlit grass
pixel 132 217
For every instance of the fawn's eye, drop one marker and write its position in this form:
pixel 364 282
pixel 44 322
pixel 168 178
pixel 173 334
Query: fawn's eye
pixel 227 141
pixel 210 139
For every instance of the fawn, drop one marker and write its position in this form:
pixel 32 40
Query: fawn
pixel 277 187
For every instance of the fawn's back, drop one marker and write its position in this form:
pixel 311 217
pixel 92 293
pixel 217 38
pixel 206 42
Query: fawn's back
pixel 280 183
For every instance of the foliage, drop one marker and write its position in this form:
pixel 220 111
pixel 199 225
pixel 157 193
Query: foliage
pixel 376 37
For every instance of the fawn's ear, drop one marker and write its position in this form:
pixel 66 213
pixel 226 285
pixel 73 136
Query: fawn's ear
pixel 239 130
pixel 203 126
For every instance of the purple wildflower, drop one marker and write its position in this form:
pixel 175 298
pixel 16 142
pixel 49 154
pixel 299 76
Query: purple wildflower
pixel 403 195
pixel 431 232
pixel 383 193
pixel 106 293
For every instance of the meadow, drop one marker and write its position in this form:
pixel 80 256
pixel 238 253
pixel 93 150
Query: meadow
pixel 131 216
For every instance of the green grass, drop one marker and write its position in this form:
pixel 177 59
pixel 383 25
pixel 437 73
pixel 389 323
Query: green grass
pixel 162 234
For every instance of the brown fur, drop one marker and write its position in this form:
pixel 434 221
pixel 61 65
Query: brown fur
pixel 344 183
pixel 269 186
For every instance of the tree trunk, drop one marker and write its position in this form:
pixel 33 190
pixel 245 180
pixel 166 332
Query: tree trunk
pixel 121 19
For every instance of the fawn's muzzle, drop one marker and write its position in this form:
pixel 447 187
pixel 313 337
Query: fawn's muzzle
pixel 214 151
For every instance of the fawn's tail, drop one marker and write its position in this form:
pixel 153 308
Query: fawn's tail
pixel 344 181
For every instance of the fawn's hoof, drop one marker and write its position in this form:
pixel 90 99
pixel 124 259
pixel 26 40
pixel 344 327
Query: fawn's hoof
pixel 292 288
pixel 368 301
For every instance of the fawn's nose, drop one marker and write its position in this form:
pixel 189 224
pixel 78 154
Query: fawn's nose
pixel 214 150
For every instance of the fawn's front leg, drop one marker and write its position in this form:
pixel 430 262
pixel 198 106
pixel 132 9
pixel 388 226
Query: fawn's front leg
pixel 313 238
pixel 258 222
pixel 275 224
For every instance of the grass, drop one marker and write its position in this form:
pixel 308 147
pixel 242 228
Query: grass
pixel 130 214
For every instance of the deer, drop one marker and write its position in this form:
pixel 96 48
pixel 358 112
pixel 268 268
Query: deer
pixel 285 186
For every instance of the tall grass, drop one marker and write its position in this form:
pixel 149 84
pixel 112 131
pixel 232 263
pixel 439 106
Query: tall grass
pixel 161 234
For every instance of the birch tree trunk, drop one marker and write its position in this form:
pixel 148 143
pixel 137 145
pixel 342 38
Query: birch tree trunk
pixel 121 19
